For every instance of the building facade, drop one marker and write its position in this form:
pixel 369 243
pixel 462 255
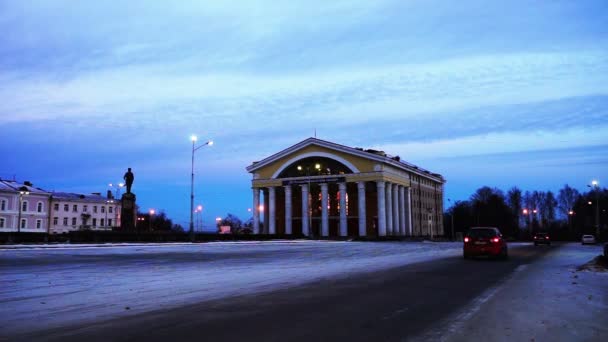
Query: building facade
pixel 318 188
pixel 70 211
pixel 23 207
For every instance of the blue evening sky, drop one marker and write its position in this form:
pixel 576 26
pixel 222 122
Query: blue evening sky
pixel 497 93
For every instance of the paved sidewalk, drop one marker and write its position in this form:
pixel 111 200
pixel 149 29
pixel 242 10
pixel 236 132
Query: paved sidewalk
pixel 546 301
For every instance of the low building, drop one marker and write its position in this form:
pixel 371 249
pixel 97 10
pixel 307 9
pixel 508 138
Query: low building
pixel 322 189
pixel 71 211
pixel 23 207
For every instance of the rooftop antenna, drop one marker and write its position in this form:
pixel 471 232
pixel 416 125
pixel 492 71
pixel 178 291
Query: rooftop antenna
pixel 315 132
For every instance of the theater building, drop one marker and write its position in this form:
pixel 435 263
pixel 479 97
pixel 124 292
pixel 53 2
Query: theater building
pixel 317 188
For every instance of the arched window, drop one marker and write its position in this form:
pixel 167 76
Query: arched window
pixel 3 204
pixel 314 166
pixel 39 207
pixel 24 206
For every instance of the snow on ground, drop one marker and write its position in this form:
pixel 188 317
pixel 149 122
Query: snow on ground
pixel 546 301
pixel 51 287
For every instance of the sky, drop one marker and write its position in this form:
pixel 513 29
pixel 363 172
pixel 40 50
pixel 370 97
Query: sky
pixel 490 93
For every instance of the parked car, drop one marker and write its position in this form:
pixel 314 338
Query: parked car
pixel 542 238
pixel 484 241
pixel 588 239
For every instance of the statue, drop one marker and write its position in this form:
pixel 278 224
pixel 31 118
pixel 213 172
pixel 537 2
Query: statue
pixel 129 178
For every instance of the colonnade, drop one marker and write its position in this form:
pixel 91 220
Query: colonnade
pixel 393 216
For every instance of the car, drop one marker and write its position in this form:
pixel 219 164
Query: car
pixel 484 241
pixel 588 239
pixel 542 238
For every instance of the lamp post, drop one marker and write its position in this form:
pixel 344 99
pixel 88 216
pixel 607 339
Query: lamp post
pixel 109 203
pixel 199 221
pixel 595 186
pixel 151 212
pixel 570 213
pixel 452 217
pixel 21 194
pixel 117 186
pixel 194 149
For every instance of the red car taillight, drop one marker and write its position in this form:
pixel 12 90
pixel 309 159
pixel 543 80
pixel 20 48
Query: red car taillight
pixel 495 239
pixel 466 239
pixel 547 238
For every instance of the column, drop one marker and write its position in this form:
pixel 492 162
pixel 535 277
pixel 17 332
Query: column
pixel 389 209
pixel 408 211
pixel 288 218
pixel 402 223
pixel 324 212
pixel 396 229
pixel 362 219
pixel 256 211
pixel 381 208
pixel 305 221
pixel 266 207
pixel 343 219
pixel 271 211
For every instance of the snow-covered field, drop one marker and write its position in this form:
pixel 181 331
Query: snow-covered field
pixel 52 286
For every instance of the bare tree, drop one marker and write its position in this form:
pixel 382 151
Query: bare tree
pixel 514 199
pixel 566 199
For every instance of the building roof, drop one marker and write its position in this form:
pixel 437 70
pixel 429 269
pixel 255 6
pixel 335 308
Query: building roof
pixel 14 186
pixel 69 196
pixel 379 156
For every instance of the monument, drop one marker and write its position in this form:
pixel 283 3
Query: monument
pixel 128 214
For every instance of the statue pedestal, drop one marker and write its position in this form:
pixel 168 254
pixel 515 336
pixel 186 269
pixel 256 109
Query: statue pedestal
pixel 128 212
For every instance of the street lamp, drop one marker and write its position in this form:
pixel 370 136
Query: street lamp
pixel 109 203
pixel 199 223
pixel 194 149
pixel 117 186
pixel 151 212
pixel 452 218
pixel 21 194
pixel 595 186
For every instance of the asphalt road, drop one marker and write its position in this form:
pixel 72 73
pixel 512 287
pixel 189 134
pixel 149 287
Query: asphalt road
pixel 388 305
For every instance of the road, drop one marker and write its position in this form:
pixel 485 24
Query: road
pixel 388 305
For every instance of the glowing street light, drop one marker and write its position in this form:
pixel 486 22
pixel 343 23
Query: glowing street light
pixel 595 185
pixel 151 212
pixel 21 194
pixel 195 148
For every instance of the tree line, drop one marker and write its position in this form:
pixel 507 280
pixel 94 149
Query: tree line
pixel 519 214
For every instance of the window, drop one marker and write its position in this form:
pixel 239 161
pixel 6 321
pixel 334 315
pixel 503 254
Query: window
pixel 56 206
pixel 94 208
pixel 85 208
pixel 65 221
pixel 38 224
pixel 101 222
pixel 103 209
pixel 110 210
pixel 1 222
pixel 73 221
pixel 39 207
pixel 55 220
pixel 94 222
pixel 3 205
pixel 75 208
pixel 109 222
pixel 23 223
pixel 66 207
pixel 24 206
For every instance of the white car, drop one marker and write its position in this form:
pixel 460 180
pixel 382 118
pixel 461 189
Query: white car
pixel 588 239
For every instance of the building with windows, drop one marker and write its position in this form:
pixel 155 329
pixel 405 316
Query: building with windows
pixel 70 211
pixel 23 207
pixel 321 189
